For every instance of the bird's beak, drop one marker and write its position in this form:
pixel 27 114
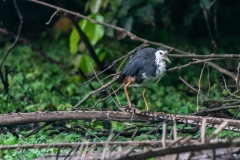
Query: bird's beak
pixel 167 59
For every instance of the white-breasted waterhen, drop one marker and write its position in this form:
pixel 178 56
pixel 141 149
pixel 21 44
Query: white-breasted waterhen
pixel 148 65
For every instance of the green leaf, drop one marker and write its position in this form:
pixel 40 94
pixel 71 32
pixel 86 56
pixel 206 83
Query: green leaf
pixel 95 5
pixel 87 6
pixel 97 124
pixel 93 32
pixel 84 64
pixel 31 108
pixel 74 39
pixel 10 141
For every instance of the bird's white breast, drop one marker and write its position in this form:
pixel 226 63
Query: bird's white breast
pixel 160 72
pixel 161 69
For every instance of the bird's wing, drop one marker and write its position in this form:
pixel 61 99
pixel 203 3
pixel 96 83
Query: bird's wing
pixel 136 66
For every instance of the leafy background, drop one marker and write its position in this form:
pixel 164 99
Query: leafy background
pixel 38 84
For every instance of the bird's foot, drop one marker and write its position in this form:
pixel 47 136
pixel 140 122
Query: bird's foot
pixel 128 109
pixel 148 112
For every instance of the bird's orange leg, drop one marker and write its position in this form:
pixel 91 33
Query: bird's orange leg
pixel 126 92
pixel 144 98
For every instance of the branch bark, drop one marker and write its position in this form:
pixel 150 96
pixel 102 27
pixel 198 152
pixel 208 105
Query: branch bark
pixel 24 118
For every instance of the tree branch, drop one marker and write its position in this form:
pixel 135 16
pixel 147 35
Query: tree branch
pixel 16 39
pixel 179 149
pixel 131 35
pixel 24 118
pixel 225 56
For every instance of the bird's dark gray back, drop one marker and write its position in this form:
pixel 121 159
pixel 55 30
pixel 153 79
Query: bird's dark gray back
pixel 148 53
pixel 138 64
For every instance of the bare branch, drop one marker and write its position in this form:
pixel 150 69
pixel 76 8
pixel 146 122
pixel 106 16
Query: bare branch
pixel 105 86
pixel 52 16
pixel 24 118
pixel 194 89
pixel 225 56
pixel 16 39
pixel 228 89
pixel 131 35
pixel 222 70
pixel 222 126
pixel 199 84
pixel 179 149
pixel 208 27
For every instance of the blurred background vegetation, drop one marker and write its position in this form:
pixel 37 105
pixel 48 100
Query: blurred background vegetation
pixel 48 70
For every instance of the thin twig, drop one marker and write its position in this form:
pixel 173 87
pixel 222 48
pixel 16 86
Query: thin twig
pixel 118 105
pixel 194 62
pixel 216 109
pixel 164 133
pixel 16 39
pixel 215 17
pixel 209 84
pixel 237 80
pixel 203 130
pixel 199 84
pixel 228 89
pixel 174 130
pixel 208 27
pixel 105 86
pixel 135 132
pixel 222 126
pixel 222 70
pixel 194 89
pixel 198 56
pixel 105 98
pixel 52 16
pixel 106 146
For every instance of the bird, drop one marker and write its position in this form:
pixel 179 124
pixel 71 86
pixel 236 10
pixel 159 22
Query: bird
pixel 146 66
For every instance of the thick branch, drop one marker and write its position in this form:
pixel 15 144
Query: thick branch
pixel 24 118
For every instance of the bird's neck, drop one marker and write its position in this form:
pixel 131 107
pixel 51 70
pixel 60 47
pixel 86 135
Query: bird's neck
pixel 161 63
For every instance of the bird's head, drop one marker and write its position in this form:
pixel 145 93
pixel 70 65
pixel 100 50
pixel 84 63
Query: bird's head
pixel 162 54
